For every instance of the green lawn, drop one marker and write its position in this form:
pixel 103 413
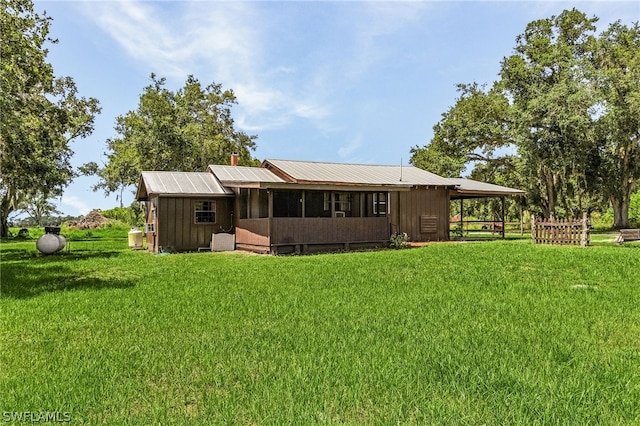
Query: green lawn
pixel 463 333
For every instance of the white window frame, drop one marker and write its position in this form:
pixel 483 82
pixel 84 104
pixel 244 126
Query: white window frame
pixel 199 207
pixel 377 203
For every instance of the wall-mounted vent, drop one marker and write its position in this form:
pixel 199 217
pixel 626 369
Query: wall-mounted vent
pixel 428 224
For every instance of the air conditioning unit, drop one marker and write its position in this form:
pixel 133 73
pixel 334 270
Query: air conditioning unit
pixel 149 228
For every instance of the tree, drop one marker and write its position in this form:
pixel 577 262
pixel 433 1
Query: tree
pixel 38 208
pixel 182 131
pixel 548 80
pixel 545 106
pixel 617 62
pixel 40 114
pixel 470 131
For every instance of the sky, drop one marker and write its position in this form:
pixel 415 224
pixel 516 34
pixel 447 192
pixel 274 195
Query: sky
pixel 336 81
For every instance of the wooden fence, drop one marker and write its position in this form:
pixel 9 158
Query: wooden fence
pixel 564 232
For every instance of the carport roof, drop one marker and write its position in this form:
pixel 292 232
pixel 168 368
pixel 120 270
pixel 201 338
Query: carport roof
pixel 467 188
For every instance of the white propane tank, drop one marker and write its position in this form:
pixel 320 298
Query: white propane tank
pixel 62 241
pixel 135 239
pixel 50 243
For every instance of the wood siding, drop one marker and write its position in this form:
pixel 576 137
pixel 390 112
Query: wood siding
pixel 322 230
pixel 268 234
pixel 176 229
pixel 253 233
pixel 417 211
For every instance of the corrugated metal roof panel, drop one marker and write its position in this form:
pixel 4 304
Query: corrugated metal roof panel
pixel 357 174
pixel 468 186
pixel 182 183
pixel 242 174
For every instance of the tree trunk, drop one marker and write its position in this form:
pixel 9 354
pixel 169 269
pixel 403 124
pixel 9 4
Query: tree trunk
pixel 5 211
pixel 621 211
pixel 551 196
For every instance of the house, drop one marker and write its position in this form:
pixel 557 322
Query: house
pixel 287 206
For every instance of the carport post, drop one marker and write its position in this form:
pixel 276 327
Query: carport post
pixel 461 217
pixel 503 217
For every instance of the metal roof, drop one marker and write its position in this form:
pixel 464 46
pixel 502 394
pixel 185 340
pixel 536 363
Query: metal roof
pixel 356 174
pixel 179 184
pixel 473 188
pixel 241 174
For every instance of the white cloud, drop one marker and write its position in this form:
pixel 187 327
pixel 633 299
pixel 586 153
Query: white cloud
pixel 76 203
pixel 349 149
pixel 225 42
pixel 375 21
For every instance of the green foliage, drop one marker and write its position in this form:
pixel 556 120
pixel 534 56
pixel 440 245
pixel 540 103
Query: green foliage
pixel 39 209
pixel 181 131
pixel 605 220
pixel 40 114
pixel 132 215
pixel 634 210
pixel 569 102
pixel 617 58
pixel 498 333
pixel 399 240
pixel 470 131
pixel 23 234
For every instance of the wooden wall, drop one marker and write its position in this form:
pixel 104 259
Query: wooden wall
pixel 422 213
pixel 253 234
pixel 176 229
pixel 324 230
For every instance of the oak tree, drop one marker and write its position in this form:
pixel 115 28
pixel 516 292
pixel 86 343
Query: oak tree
pixel 40 114
pixel 184 130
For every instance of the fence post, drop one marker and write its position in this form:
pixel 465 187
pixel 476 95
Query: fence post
pixel 585 237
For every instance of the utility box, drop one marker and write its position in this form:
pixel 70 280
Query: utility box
pixel 223 242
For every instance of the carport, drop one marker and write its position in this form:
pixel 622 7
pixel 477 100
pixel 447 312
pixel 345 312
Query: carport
pixel 471 189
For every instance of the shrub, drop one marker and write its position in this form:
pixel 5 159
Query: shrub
pixel 399 240
pixel 23 234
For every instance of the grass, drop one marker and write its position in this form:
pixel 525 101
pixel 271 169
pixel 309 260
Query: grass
pixel 468 333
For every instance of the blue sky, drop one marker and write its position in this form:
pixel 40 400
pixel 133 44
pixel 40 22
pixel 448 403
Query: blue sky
pixel 357 81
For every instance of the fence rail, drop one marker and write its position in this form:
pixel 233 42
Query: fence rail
pixel 563 232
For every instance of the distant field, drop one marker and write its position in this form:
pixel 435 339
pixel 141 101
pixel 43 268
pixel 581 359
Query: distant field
pixel 462 333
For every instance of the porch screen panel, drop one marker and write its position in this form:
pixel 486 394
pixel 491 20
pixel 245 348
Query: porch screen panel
pixel 316 204
pixel 287 203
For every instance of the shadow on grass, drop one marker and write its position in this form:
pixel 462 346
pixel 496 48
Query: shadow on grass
pixel 26 274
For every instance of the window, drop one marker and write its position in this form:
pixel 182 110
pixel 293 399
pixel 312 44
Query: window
pixel 380 204
pixel 205 212
pixel 343 203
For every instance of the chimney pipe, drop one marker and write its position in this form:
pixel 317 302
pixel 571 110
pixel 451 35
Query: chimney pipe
pixel 234 158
